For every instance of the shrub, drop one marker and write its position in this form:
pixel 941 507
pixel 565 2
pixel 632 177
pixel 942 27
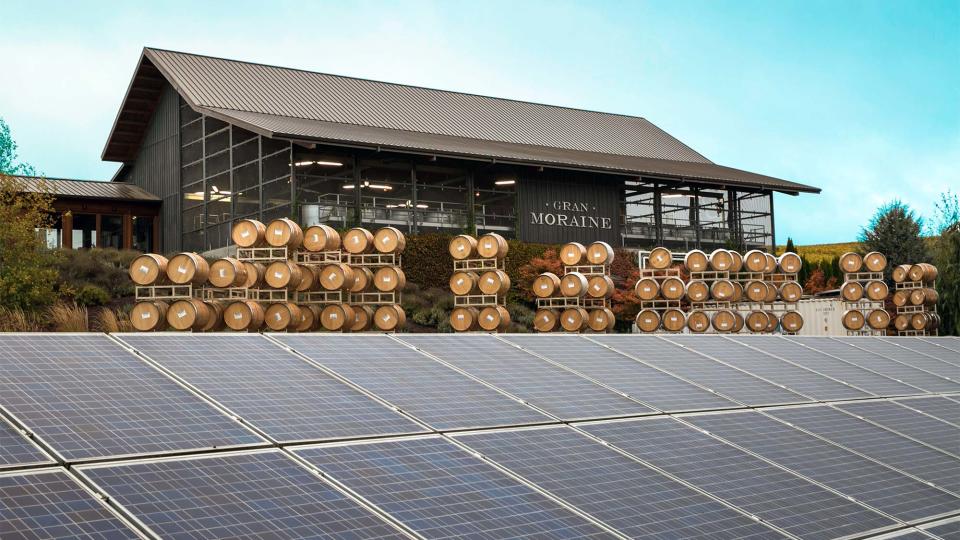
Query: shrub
pixel 18 320
pixel 91 295
pixel 68 317
pixel 103 268
pixel 26 274
pixel 108 320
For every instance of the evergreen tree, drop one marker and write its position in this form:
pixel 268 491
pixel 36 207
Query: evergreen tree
pixel 946 257
pixel 9 161
pixel 895 231
pixel 790 247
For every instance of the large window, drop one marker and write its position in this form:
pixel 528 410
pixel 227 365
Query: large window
pixel 84 231
pixel 143 233
pixel 111 231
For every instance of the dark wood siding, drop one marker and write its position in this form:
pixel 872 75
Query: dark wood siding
pixel 557 207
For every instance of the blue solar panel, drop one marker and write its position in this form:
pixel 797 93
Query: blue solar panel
pixel 828 365
pixel 925 347
pixel 904 356
pixel 867 481
pixel 942 408
pixel 772 494
pixel 948 342
pixel 875 442
pixel 270 388
pixel 729 382
pixel 87 397
pixel 798 379
pixel 417 384
pixel 640 381
pixel 919 426
pixel 949 530
pixel 16 450
pixel 244 496
pixel 49 504
pixel 632 498
pixel 560 392
pixel 441 491
pixel 889 368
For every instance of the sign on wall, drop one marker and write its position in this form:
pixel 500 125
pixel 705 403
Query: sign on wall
pixel 559 210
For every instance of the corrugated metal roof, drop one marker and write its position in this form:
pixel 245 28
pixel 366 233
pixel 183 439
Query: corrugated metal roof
pixel 85 189
pixel 313 130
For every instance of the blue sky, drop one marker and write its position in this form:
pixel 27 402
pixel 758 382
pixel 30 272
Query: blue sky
pixel 861 99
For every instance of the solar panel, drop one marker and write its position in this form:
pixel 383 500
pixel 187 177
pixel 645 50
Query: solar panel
pixel 884 366
pixel 774 495
pixel 875 442
pixel 89 398
pixel 284 396
pixel 921 427
pixel 419 385
pixel 797 379
pixel 632 498
pixel 940 353
pixel 947 531
pixel 16 450
pixel 615 370
pixel 49 504
pixel 251 495
pixel 559 392
pixel 948 342
pixel 828 365
pixel 904 356
pixel 708 373
pixel 885 489
pixel 441 491
pixel 944 409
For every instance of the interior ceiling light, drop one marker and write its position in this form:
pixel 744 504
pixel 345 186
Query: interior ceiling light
pixel 367 184
pixel 321 163
pixel 505 182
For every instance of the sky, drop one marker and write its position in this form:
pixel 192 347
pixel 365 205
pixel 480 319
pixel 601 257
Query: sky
pixel 861 99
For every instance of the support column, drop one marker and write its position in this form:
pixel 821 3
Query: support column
pixel 66 230
pixel 357 196
pixel 657 215
pixel 156 235
pixel 127 241
pixel 96 234
pixel 696 215
pixel 471 205
pixel 773 229
pixel 414 227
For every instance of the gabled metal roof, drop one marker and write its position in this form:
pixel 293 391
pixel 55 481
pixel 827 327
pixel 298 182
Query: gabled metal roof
pixel 85 189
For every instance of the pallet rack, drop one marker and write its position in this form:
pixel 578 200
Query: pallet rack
pixel 864 305
pixel 910 309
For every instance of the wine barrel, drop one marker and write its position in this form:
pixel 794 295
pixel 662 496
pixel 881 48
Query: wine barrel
pixel 737 259
pixel 771 264
pixel 696 261
pixel 572 253
pixel 336 277
pixel 545 285
pixel 574 319
pixel 188 314
pixel 737 292
pixel 464 319
pixel 309 318
pixel 755 260
pixel 362 279
pixel 925 296
pixel 772 321
pixel 389 318
pixel 738 322
pixel 673 320
pixel 648 320
pixel 362 318
pixel 901 273
pixel 573 285
pixel 697 291
pixel 337 317
pixel 698 322
pixel 660 258
pixel 492 246
pixel 283 232
pixel 600 287
pixel 281 316
pixel 186 268
pixel 789 263
pixel 917 297
pixel 722 290
pixel 771 292
pixel 357 240
pixel 851 262
pixel 149 315
pixel 851 291
pixel 244 315
pixel 721 260
pixel 465 282
pixel 647 288
pixel 853 319
pixel 757 321
pixel 924 272
pixel 389 240
pixel 494 282
pixel 546 320
pixel 494 318
pixel 248 233
pixel 600 253
pixel 308 278
pixel 876 290
pixel 601 319
pixel 723 321
pixel 901 322
pixel 934 321
pixel 149 269
pixel 321 238
pixel 791 321
pixel 388 279
pixel 790 291
pixel 215 323
pixel 901 297
pixel 755 290
pixel 462 247
pixel 284 275
pixel 227 272
pixel 875 261
pixel 672 288
pixel 878 319
pixel 920 321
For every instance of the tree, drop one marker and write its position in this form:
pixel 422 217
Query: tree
pixel 790 247
pixel 946 257
pixel 896 231
pixel 9 162
pixel 27 270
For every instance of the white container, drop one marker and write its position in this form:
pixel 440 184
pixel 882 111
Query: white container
pixel 821 317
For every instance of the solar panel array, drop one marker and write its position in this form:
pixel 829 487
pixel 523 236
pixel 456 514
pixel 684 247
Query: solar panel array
pixel 478 436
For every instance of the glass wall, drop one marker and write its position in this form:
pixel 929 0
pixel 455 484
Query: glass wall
pixel 142 235
pixel 84 231
pixel 111 231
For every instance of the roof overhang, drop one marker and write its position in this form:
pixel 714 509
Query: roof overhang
pixel 136 110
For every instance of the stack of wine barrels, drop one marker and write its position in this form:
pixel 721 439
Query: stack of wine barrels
pixel 177 311
pixel 660 286
pixel 477 277
pixel 767 280
pixel 586 287
pixel 710 282
pixel 916 298
pixel 863 285
pixel 372 272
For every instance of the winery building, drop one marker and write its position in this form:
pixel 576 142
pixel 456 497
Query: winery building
pixel 218 140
